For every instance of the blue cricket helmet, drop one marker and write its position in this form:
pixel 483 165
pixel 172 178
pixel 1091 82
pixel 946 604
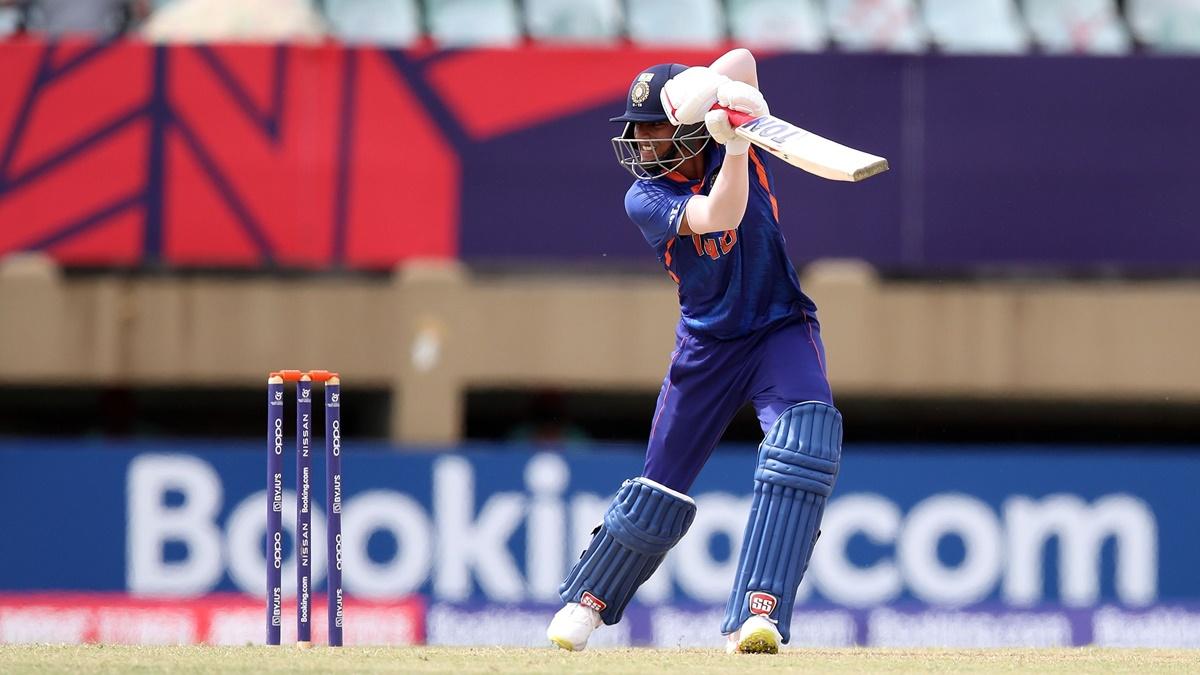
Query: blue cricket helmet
pixel 643 103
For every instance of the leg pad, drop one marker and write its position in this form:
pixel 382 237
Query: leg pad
pixel 797 467
pixel 643 522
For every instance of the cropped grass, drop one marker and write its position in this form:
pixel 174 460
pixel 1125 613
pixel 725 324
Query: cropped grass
pixel 17 659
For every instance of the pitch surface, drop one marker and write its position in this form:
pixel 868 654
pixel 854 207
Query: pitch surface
pixel 255 659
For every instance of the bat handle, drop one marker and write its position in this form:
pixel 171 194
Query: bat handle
pixel 736 117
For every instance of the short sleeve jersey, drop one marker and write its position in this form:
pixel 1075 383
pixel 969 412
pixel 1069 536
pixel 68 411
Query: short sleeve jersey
pixel 730 283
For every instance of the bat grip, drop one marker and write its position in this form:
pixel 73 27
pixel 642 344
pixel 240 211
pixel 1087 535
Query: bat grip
pixel 736 117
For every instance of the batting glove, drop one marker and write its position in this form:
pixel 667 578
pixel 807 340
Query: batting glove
pixel 690 94
pixel 742 97
pixel 722 132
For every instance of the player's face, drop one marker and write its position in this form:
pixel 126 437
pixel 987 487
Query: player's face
pixel 653 150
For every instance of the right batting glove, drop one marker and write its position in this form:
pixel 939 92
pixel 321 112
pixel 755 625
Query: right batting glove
pixel 722 132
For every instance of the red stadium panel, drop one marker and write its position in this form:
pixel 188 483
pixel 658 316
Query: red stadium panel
pixel 90 94
pixel 269 165
pixel 200 227
pixel 545 83
pixel 78 194
pixel 115 240
pixel 404 183
pixel 70 48
pixel 228 156
pixel 19 62
pixel 254 69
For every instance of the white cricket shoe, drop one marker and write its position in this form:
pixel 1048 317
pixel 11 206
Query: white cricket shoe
pixel 572 626
pixel 757 636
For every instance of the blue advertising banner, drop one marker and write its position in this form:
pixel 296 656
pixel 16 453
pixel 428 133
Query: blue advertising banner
pixel 942 532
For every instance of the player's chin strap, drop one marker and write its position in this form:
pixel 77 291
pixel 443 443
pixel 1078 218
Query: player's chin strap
pixel 643 522
pixel 797 466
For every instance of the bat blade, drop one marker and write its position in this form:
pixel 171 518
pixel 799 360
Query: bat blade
pixel 806 150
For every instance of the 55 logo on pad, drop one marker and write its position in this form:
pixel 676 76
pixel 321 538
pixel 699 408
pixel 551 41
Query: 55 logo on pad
pixel 762 603
pixel 592 602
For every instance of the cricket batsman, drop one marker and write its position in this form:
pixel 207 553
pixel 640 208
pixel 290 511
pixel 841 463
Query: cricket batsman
pixel 705 201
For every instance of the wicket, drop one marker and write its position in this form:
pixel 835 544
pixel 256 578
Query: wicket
pixel 333 503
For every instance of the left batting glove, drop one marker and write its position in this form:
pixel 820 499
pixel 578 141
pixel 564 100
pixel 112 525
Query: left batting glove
pixel 722 132
pixel 690 94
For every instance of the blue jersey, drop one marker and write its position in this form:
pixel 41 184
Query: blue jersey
pixel 730 283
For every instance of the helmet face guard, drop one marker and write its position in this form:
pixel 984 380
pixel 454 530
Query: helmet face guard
pixel 688 141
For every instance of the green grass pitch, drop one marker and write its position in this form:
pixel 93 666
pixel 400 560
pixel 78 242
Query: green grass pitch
pixel 255 659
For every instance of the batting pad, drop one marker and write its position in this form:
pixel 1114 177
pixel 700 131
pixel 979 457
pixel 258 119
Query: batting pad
pixel 797 465
pixel 643 522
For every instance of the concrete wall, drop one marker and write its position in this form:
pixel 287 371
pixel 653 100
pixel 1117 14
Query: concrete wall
pixel 430 331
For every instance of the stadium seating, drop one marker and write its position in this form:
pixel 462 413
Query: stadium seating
pixel 68 17
pixel 876 25
pixel 976 26
pixel 573 20
pixel 9 18
pixel 658 23
pixel 245 20
pixel 1103 27
pixel 783 24
pixel 1166 25
pixel 462 23
pixel 383 22
pixel 1087 26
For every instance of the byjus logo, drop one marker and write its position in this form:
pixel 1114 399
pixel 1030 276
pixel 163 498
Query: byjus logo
pixel 517 545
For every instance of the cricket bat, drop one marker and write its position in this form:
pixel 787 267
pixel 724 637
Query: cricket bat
pixel 806 150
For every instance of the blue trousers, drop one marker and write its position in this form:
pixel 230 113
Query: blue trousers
pixel 709 380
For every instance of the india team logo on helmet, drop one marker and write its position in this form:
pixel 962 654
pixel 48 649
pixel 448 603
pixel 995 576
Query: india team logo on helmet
pixel 641 89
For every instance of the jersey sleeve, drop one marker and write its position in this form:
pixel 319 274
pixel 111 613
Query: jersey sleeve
pixel 655 210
